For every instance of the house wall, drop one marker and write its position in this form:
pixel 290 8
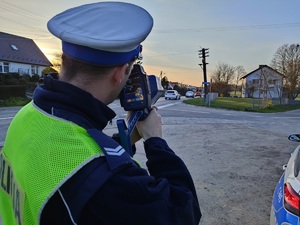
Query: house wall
pixel 270 90
pixel 23 69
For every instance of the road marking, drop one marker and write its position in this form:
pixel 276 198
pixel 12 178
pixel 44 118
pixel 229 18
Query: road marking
pixel 165 106
pixel 184 110
pixel 6 118
pixel 286 117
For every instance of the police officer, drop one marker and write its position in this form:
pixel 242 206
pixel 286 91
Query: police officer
pixel 58 167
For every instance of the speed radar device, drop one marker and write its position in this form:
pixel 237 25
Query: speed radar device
pixel 139 94
pixel 136 94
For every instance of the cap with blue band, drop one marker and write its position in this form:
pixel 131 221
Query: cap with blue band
pixel 99 57
pixel 103 33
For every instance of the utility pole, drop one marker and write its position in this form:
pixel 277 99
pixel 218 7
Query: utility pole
pixel 203 53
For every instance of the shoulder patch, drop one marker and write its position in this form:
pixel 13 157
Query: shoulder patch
pixel 115 154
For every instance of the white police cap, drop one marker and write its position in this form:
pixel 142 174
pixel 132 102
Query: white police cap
pixel 103 33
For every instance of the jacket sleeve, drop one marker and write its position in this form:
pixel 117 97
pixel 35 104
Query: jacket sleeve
pixel 165 197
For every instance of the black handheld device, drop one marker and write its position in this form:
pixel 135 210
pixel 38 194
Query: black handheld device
pixel 136 94
pixel 140 92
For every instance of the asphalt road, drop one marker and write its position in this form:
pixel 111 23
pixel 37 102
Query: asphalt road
pixel 234 157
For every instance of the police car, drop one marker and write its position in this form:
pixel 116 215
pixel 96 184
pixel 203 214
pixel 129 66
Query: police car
pixel 285 208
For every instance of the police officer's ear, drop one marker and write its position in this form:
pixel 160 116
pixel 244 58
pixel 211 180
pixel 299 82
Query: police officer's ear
pixel 120 74
pixel 129 68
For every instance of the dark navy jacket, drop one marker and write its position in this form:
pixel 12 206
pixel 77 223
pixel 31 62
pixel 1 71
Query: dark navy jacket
pixel 130 196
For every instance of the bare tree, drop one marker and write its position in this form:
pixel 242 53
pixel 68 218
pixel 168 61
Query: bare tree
pixel 264 85
pixel 286 60
pixel 165 82
pixel 239 73
pixel 224 73
pixel 56 61
pixel 249 89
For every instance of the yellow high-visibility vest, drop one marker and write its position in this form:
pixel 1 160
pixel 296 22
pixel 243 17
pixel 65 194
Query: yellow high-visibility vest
pixel 40 153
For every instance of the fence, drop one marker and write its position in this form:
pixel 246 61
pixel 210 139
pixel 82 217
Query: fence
pixel 263 103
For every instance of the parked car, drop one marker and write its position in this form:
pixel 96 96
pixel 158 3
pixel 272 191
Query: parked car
pixel 197 93
pixel 190 94
pixel 172 94
pixel 286 199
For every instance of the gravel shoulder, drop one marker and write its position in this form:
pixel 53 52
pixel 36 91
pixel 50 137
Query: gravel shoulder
pixel 235 166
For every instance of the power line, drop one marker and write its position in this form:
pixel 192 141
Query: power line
pixel 32 21
pixel 179 53
pixel 21 11
pixel 242 27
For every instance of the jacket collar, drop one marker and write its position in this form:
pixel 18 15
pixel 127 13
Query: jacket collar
pixel 72 103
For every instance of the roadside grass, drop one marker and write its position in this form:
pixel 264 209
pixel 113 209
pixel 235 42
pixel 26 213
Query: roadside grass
pixel 14 101
pixel 238 104
pixel 242 104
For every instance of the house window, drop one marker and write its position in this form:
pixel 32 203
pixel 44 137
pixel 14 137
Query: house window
pixel 272 81
pixel 14 47
pixel 34 69
pixel 4 67
pixel 255 81
pixel 23 71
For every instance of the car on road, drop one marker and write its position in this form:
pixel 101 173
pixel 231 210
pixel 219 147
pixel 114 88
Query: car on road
pixel 172 94
pixel 190 94
pixel 285 208
pixel 197 94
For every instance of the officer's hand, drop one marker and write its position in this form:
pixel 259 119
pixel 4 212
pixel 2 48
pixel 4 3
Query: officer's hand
pixel 151 126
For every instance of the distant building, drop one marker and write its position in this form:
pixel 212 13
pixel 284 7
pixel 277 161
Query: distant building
pixel 21 55
pixel 264 82
pixel 191 88
pixel 172 85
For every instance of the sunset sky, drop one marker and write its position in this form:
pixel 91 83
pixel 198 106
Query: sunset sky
pixel 238 32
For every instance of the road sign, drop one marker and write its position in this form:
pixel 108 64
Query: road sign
pixel 206 82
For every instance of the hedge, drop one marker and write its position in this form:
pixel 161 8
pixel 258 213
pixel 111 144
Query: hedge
pixel 7 91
